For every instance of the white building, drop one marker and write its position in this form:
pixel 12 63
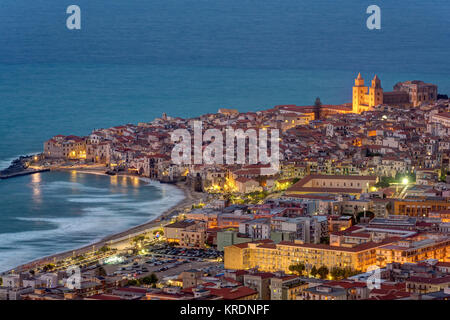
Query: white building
pixel 257 229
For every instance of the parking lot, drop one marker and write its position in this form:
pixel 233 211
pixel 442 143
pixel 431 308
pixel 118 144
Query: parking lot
pixel 166 261
pixel 199 254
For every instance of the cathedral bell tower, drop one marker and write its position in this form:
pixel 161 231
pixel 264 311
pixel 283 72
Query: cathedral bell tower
pixel 375 93
pixel 359 92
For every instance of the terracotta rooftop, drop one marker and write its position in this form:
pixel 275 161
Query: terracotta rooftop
pixel 232 293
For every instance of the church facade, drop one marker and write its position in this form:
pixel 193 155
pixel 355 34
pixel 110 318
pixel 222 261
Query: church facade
pixel 365 98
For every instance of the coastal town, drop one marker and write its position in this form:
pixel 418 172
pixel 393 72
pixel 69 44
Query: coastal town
pixel 358 210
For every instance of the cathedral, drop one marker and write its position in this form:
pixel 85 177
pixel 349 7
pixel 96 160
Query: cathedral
pixel 406 94
pixel 365 98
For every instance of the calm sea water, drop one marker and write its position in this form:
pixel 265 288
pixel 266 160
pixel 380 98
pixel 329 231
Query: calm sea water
pixel 135 59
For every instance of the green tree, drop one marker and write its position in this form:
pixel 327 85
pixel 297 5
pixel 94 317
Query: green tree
pixel 299 268
pixel 322 272
pixel 153 278
pixel 103 249
pixel 343 273
pixel 443 175
pixel 150 280
pixel 384 182
pixel 138 239
pixel 348 272
pixel 133 282
pixel 78 258
pixel 313 271
pixel 336 273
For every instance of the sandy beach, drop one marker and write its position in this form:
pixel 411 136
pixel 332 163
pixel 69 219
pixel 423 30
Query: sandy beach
pixel 191 197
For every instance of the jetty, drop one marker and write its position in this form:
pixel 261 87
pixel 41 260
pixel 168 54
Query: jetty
pixel 22 173
pixel 20 167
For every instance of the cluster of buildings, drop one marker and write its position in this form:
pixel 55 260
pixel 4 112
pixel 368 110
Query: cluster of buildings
pixel 218 228
pixel 360 185
pixel 425 280
pixel 356 250
pixel 55 286
pixel 366 138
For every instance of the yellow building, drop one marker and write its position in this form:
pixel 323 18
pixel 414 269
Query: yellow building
pixel 270 257
pixel 335 184
pixel 65 147
pixel 415 249
pixel 288 287
pixel 424 285
pixel 417 207
pixel 186 233
pixel 365 98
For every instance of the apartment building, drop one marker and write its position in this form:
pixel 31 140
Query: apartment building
pixel 423 285
pixel 420 206
pixel 339 223
pixel 286 287
pixel 306 229
pixel 65 147
pixel 333 184
pixel 186 233
pixel 322 292
pixel 260 282
pixel 414 249
pixel 256 229
pixel 270 257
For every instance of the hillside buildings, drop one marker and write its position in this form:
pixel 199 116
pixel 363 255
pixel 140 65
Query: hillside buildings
pixel 366 184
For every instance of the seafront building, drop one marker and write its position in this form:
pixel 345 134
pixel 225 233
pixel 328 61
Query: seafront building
pixel 65 147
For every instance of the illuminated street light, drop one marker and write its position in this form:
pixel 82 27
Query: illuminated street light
pixel 405 180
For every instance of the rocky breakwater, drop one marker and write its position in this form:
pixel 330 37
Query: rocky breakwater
pixel 21 167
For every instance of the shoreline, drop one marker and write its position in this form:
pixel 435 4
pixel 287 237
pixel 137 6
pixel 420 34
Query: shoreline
pixel 190 197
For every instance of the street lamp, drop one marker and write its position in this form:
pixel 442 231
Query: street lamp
pixel 405 180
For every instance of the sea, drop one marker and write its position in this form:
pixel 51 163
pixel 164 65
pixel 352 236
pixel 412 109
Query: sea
pixel 133 60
